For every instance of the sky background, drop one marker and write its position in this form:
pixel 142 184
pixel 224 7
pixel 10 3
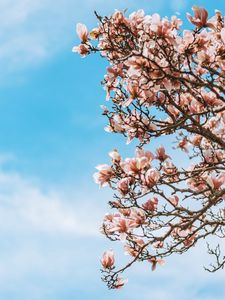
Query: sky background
pixel 52 137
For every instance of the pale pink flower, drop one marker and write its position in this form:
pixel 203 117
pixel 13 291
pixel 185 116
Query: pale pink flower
pixel 154 261
pixel 174 200
pixel 190 240
pixel 108 259
pixel 95 33
pixel 130 251
pixel 196 140
pixel 115 155
pixel 175 22
pixel 82 49
pixel 122 225
pixel 140 153
pixel 134 165
pixel 222 33
pixel 104 175
pixel 155 22
pixel 120 283
pixel 200 17
pixel 160 154
pixel 138 216
pixel 123 185
pixel 197 184
pixel 183 145
pixel 111 217
pixel 169 168
pixel 82 32
pixel 216 181
pixel 151 205
pixel 152 176
pixel 158 244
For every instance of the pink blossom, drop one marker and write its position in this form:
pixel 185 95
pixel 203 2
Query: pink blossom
pixel 140 153
pixel 104 175
pixel 82 32
pixel 82 49
pixel 95 33
pixel 108 259
pixel 123 225
pixel 216 181
pixel 123 185
pixel 222 33
pixel 115 155
pixel 183 145
pixel 152 176
pixel 151 205
pixel 158 244
pixel 200 18
pixel 160 154
pixel 155 261
pixel 196 140
pixel 174 200
pixel 138 216
pixel 120 283
pixel 134 165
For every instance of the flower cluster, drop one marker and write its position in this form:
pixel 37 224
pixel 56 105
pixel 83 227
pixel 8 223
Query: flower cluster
pixel 162 81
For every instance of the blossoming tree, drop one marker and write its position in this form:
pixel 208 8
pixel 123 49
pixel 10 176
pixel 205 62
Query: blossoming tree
pixel 162 81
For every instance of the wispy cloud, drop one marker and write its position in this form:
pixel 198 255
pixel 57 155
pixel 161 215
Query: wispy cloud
pixel 45 233
pixel 24 207
pixel 32 31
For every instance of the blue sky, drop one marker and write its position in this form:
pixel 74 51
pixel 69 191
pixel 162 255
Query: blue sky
pixel 52 137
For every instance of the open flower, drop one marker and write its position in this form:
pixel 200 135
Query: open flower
pixel 82 49
pixel 152 176
pixel 104 175
pixel 154 261
pixel 200 17
pixel 120 283
pixel 151 205
pixel 161 154
pixel 123 185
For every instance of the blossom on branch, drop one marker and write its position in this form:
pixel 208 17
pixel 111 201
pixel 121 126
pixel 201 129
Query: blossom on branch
pixel 163 84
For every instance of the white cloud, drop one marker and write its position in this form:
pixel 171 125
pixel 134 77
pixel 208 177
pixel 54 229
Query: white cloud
pixel 25 207
pixel 32 31
pixel 45 233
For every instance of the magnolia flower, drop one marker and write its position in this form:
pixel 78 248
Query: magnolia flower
pixel 222 33
pixel 158 244
pixel 160 154
pixel 120 283
pixel 151 205
pixel 108 259
pixel 115 155
pixel 123 225
pixel 95 33
pixel 200 18
pixel 183 145
pixel 152 176
pixel 216 181
pixel 138 216
pixel 190 240
pixel 124 185
pixel 174 200
pixel 82 32
pixel 154 261
pixel 104 175
pixel 82 49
